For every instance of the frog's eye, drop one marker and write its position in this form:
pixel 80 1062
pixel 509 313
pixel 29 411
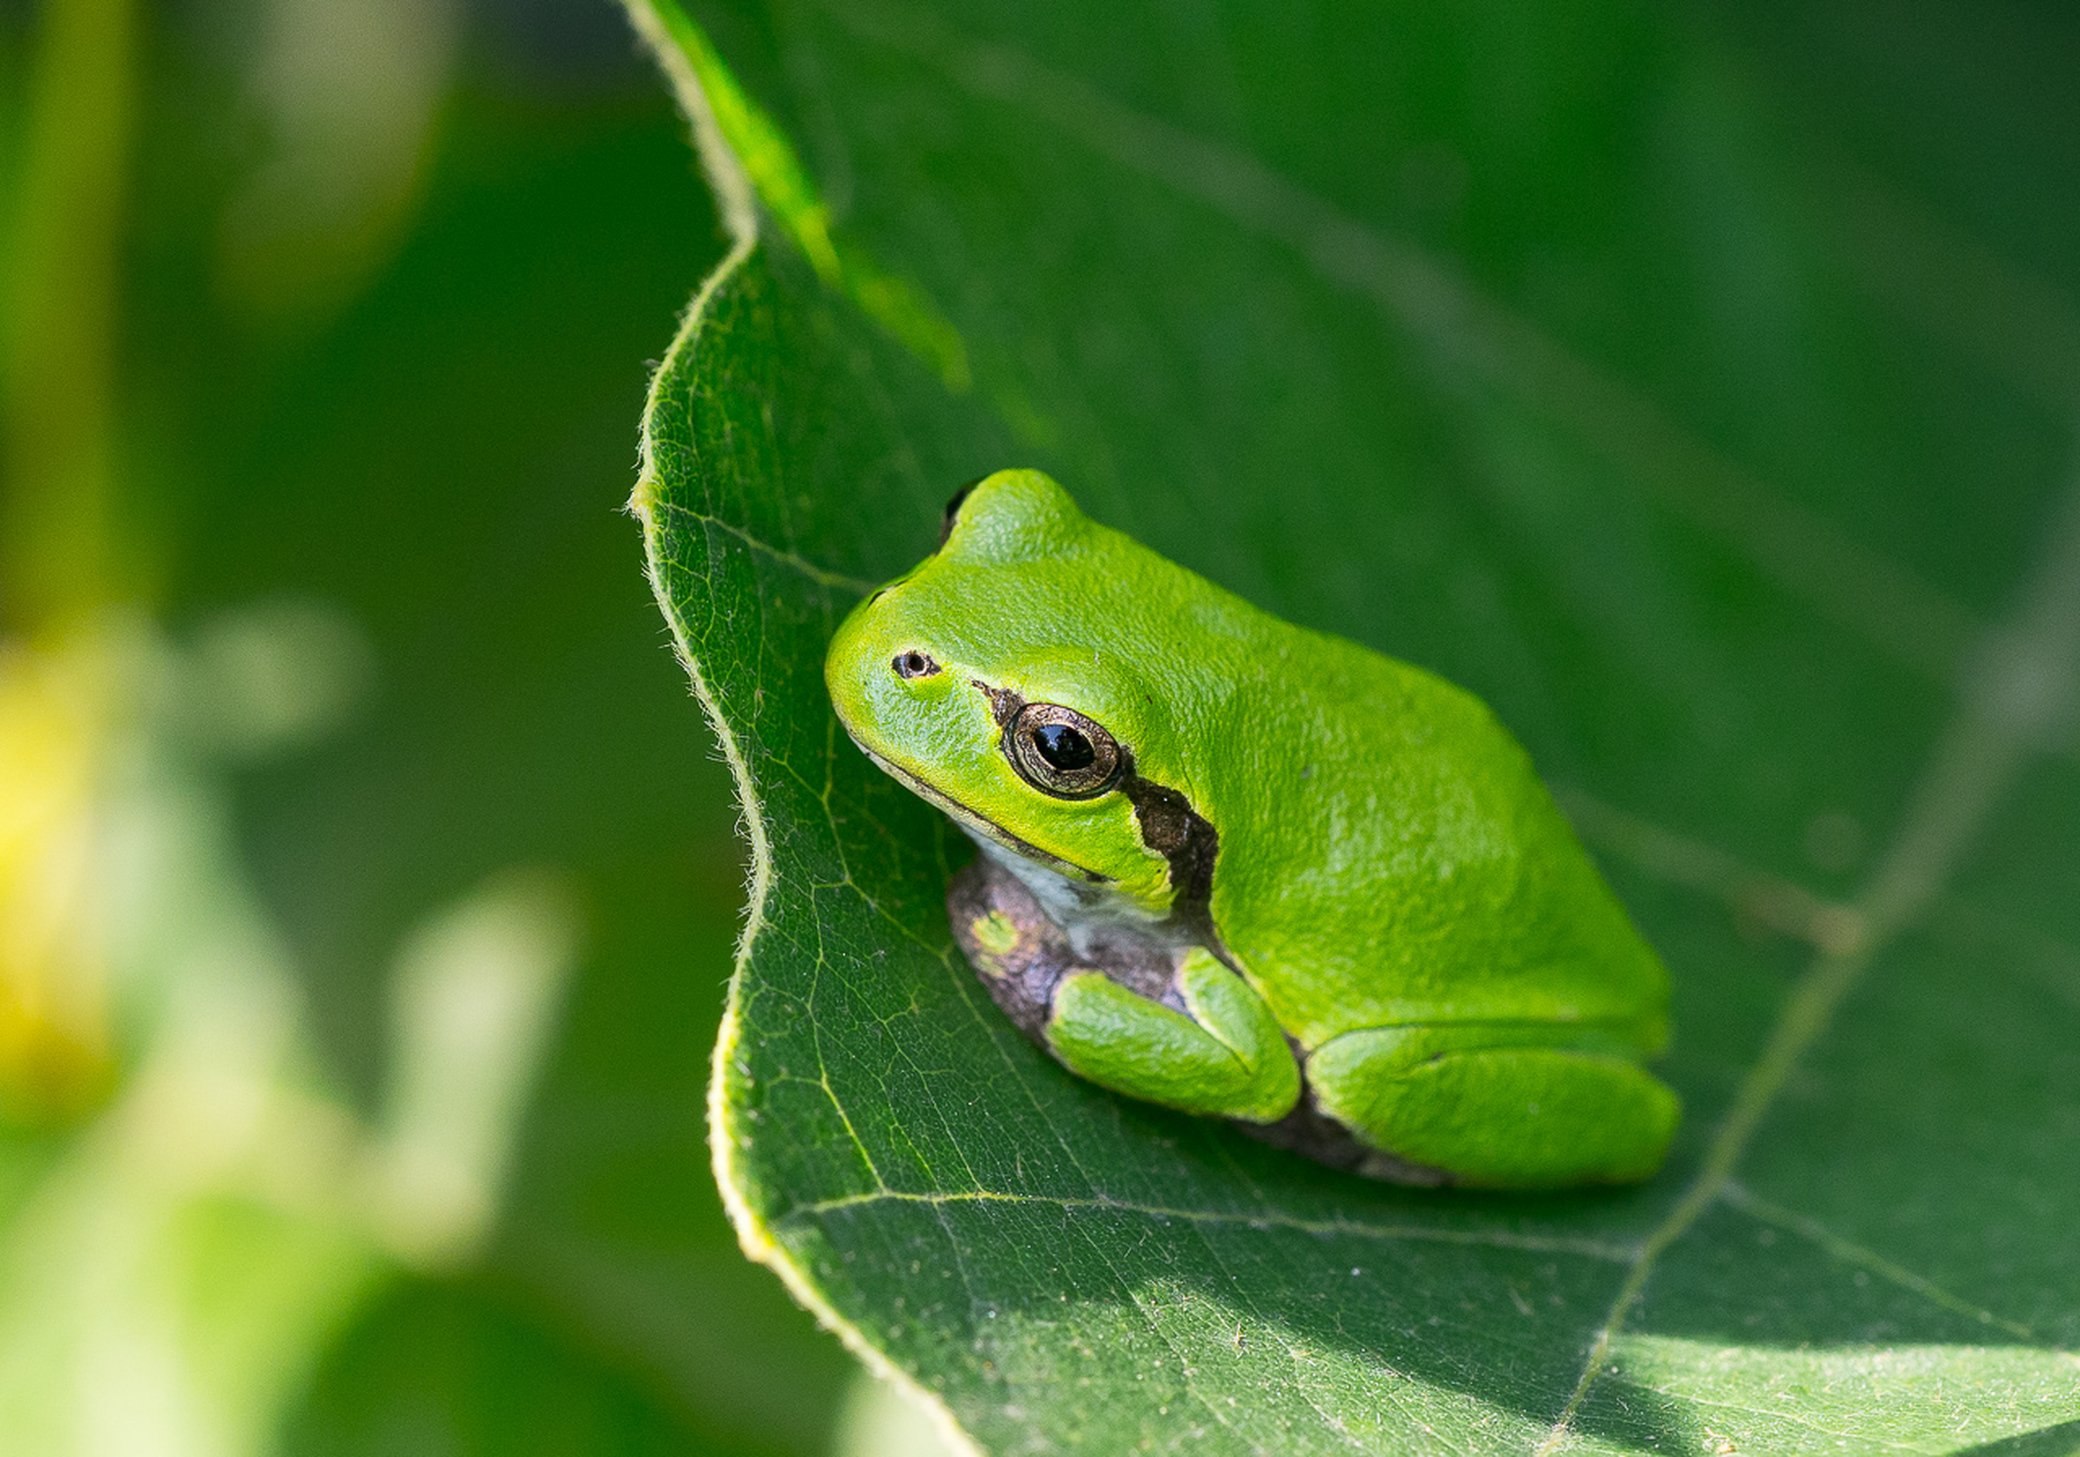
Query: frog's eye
pixel 1060 752
pixel 913 664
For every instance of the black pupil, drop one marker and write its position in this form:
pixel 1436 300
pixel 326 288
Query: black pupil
pixel 1064 747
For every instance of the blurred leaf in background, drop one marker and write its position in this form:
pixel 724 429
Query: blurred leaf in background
pixel 365 889
pixel 1697 385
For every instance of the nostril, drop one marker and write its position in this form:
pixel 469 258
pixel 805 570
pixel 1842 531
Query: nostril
pixel 914 664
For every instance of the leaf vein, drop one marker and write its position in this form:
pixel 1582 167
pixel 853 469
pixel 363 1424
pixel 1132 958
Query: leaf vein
pixel 1254 1219
pixel 2018 684
pixel 794 561
pixel 1742 1198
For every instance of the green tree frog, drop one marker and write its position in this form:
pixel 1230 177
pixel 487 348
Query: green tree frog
pixel 1244 869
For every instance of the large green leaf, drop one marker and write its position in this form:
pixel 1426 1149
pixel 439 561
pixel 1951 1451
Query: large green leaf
pixel 1689 388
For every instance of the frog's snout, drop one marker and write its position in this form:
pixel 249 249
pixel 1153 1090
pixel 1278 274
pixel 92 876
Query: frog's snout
pixel 881 672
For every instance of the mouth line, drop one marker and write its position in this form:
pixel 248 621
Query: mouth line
pixel 1017 844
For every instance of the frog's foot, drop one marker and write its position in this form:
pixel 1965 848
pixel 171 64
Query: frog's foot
pixel 1168 1025
pixel 1498 1105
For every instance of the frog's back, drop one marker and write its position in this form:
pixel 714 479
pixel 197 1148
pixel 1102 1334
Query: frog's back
pixel 1385 855
pixel 1410 866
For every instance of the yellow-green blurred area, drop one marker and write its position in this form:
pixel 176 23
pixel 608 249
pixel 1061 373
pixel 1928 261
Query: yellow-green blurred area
pixel 366 886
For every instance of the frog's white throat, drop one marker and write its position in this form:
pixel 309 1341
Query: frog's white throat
pixel 1084 910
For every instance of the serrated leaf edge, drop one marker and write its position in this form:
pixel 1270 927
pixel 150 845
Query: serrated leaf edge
pixel 656 22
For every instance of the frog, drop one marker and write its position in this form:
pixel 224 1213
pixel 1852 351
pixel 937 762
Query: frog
pixel 1250 870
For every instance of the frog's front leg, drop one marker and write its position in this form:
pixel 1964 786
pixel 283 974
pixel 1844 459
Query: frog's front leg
pixel 1223 1054
pixel 1168 1027
pixel 1502 1105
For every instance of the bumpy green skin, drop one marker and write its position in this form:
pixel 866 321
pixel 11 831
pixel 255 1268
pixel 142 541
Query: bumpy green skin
pixel 1393 888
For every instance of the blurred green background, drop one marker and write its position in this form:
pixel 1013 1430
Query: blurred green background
pixel 366 881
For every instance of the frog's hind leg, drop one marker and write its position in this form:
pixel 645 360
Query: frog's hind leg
pixel 1499 1105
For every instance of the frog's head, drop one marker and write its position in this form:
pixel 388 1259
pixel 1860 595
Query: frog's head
pixel 1001 680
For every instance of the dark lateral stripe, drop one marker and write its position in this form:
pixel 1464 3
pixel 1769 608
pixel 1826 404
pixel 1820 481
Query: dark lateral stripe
pixel 1182 836
pixel 1168 824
